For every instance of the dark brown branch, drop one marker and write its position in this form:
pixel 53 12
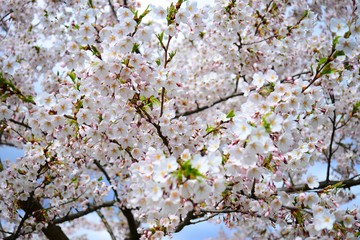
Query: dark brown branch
pixel 7 144
pixel 330 153
pixel 348 183
pixel 260 41
pixel 20 123
pixel 132 223
pixel 200 109
pixel 187 221
pixel 162 101
pixel 148 118
pixel 106 223
pixel 253 196
pixel 33 208
pixel 319 70
pixel 206 218
pixel 102 169
pixel 80 214
pixel 166 61
pixel 219 211
pixel 10 12
pixel 113 10
pixel 125 4
pixel 21 224
pixel 295 76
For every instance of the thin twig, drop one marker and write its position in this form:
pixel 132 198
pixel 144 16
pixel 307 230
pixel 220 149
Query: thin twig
pixel 113 10
pixel 148 118
pixel 206 218
pixel 218 211
pixel 20 123
pixel 317 74
pixel 10 12
pixel 330 153
pixel 162 101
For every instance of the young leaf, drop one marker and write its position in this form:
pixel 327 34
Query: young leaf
pixel 230 114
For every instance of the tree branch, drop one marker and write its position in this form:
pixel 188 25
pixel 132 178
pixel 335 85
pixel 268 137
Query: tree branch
pixel 148 118
pixel 319 70
pixel 113 10
pixel 330 153
pixel 187 221
pixel 348 183
pixel 33 208
pixel 102 169
pixel 106 223
pixel 7 14
pixel 132 223
pixel 80 214
pixel 20 123
pixel 219 211
pixel 200 109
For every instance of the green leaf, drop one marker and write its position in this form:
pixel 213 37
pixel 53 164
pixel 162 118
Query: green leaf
pixel 160 36
pixel 90 4
pixel 72 76
pixel 230 114
pixel 356 108
pixel 335 41
pixel 100 179
pixel 172 54
pixel 155 101
pixel 322 60
pixel 95 51
pixel 29 99
pixel 266 125
pixel 306 13
pixel 295 201
pixel 171 13
pixel 135 48
pixel 224 158
pixel 37 48
pixel 209 128
pixel 158 62
pixel 327 70
pixel 267 161
pixel 266 90
pixel 339 53
pixel 347 34
pixel 146 11
pixel 298 216
pixel 188 171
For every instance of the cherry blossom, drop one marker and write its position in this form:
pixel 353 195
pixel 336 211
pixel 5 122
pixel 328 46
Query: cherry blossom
pixel 244 113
